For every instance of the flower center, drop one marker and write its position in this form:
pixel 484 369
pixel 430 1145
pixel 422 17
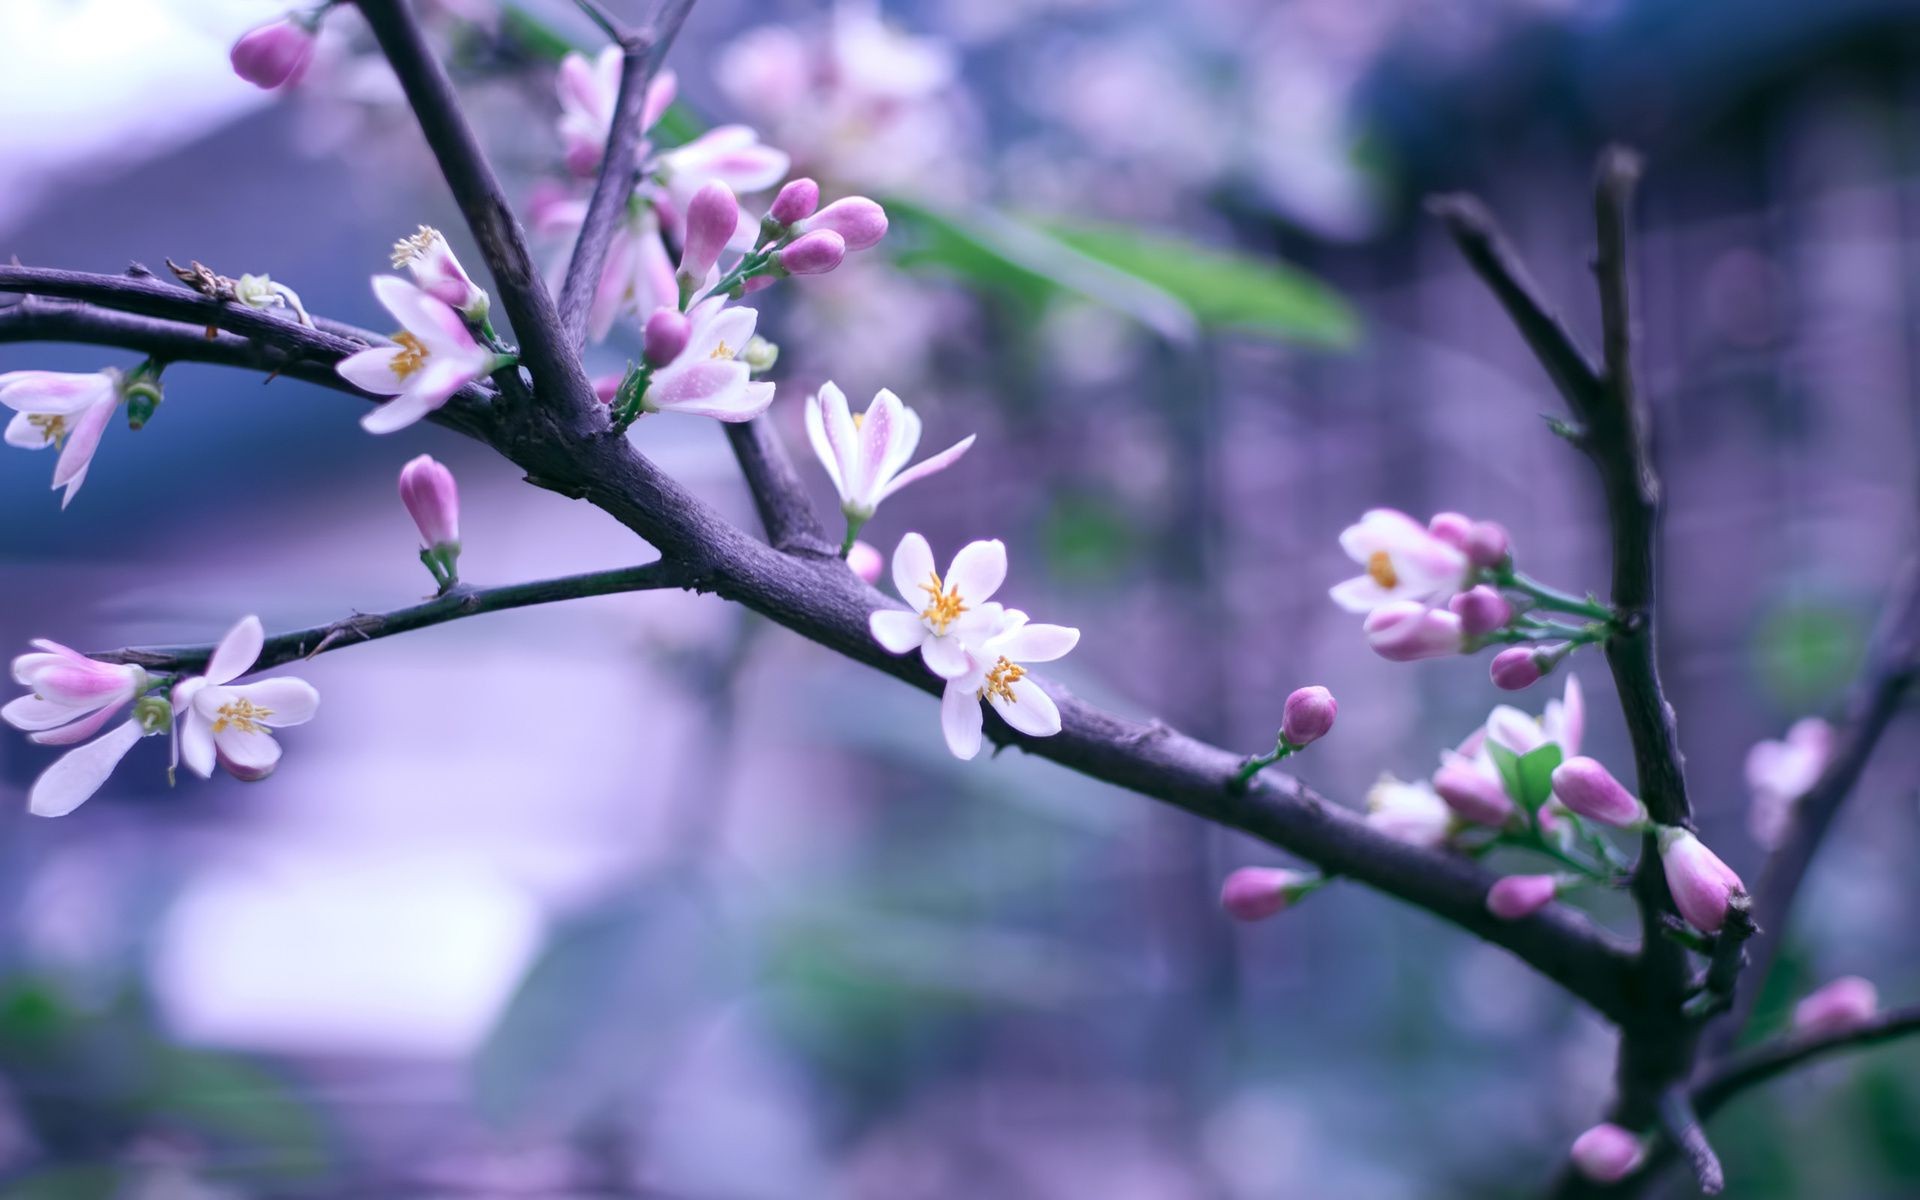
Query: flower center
pixel 52 427
pixel 1001 679
pixel 241 714
pixel 409 248
pixel 722 351
pixel 1380 566
pixel 412 356
pixel 858 419
pixel 945 606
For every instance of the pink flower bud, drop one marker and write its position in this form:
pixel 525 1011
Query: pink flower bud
pixel 428 491
pixel 1255 893
pixel 1451 528
pixel 275 54
pixel 865 561
pixel 1517 667
pixel 606 387
pixel 1308 715
pixel 796 201
pixel 860 221
pixel 1481 610
pixel 1405 630
pixel 1518 896
pixel 1847 1003
pixel 1701 884
pixel 814 253
pixel 712 216
pixel 1472 793
pixel 1487 544
pixel 665 336
pixel 1589 789
pixel 1607 1153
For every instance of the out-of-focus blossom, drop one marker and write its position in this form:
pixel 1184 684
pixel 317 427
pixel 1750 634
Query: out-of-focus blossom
pixel 227 723
pixel 277 53
pixel 1308 715
pixel 866 454
pixel 1488 544
pixel 729 154
pixel 1607 1153
pixel 707 378
pixel 860 222
pixel 1256 893
pixel 638 275
pixel 70 696
pixel 439 273
pixel 956 615
pixel 1471 786
pixel 797 199
pixel 1403 561
pixel 1779 773
pixel 1407 630
pixel 1481 610
pixel 1517 896
pixel 432 357
pixel 1451 528
pixel 1837 1007
pixel 866 561
pixel 1701 884
pixel 1588 788
pixel 813 253
pixel 66 411
pixel 588 91
pixel 1409 812
pixel 996 673
pixel 1563 722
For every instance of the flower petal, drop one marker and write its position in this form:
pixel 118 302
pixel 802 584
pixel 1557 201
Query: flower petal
pixel 1360 594
pixel 55 393
pixel 33 713
pixel 912 567
pixel 409 408
pixel 1031 710
pixel 288 701
pixel 822 447
pixel 978 571
pixel 78 774
pixel 734 404
pixel 921 470
pixel 372 371
pixel 437 326
pixel 706 381
pixel 79 731
pixel 1035 643
pixel 237 652
pixel 896 631
pixel 196 743
pixel 960 720
pixel 906 438
pixel 81 444
pixel 946 657
pixel 249 754
pixel 22 432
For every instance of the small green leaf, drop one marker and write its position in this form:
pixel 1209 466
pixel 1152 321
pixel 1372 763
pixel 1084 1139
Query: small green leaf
pixel 1535 770
pixel 1509 764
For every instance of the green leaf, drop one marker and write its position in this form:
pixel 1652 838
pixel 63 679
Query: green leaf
pixel 1535 770
pixel 1509 765
pixel 1223 289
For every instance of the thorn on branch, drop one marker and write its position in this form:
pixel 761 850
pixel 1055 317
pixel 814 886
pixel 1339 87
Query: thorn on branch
pixel 1683 1125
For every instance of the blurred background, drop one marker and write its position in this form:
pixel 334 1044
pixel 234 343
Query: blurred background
pixel 726 920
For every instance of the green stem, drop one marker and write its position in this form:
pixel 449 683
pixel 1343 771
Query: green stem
pixel 1553 598
pixel 1257 763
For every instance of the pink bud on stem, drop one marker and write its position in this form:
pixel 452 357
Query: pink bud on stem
pixel 665 336
pixel 1308 715
pixel 433 500
pixel 1845 1004
pixel 1451 528
pixel 1487 544
pixel 813 253
pixel 1256 893
pixel 1519 667
pixel 1481 610
pixel 1607 1153
pixel 1518 896
pixel 1589 789
pixel 1701 884
pixel 1406 630
pixel 1472 793
pixel 795 202
pixel 276 54
pixel 865 560
pixel 859 221
pixel 712 216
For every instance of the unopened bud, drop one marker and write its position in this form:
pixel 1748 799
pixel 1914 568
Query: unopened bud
pixel 1472 793
pixel 665 336
pixel 1308 715
pixel 1589 789
pixel 1520 667
pixel 814 253
pixel 859 221
pixel 1451 528
pixel 1406 630
pixel 1487 544
pixel 712 216
pixel 1701 884
pixel 1255 893
pixel 1845 1004
pixel 1518 896
pixel 796 201
pixel 1481 610
pixel 432 498
pixel 275 54
pixel 865 561
pixel 1607 1153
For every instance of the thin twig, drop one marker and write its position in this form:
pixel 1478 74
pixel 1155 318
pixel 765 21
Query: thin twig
pixel 1682 1124
pixel 778 495
pixel 457 604
pixel 1749 1068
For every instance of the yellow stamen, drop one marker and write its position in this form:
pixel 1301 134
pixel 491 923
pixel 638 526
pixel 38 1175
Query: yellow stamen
pixel 1380 566
pixel 722 351
pixel 1001 679
pixel 945 606
pixel 409 248
pixel 858 418
pixel 241 714
pixel 52 427
pixel 413 355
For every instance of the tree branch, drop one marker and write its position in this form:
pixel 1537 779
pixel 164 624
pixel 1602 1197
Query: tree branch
pixel 459 603
pixel 778 495
pixel 641 55
pixel 1753 1067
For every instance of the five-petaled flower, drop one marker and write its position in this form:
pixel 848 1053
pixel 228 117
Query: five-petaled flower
pixel 708 378
pixel 432 357
pixel 956 614
pixel 228 723
pixel 996 672
pixel 66 411
pixel 1403 560
pixel 866 454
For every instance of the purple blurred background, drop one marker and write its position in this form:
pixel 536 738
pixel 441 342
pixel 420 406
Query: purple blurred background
pixel 643 896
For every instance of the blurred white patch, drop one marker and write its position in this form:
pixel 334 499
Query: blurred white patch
pixel 344 954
